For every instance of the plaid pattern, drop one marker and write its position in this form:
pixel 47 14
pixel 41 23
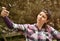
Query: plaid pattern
pixel 32 33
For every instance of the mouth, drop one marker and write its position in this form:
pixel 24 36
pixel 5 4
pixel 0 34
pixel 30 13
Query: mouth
pixel 39 19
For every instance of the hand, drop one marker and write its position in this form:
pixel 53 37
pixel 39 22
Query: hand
pixel 4 12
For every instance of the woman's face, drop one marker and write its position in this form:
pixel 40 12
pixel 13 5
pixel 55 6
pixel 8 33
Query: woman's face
pixel 42 18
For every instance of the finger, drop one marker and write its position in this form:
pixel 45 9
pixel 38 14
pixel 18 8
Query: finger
pixel 5 14
pixel 6 11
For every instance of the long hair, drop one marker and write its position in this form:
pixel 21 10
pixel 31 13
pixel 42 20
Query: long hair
pixel 48 13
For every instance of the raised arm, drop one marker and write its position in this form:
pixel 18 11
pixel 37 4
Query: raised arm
pixel 9 23
pixel 4 14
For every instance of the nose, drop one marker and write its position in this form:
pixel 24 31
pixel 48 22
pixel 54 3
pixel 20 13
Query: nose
pixel 40 17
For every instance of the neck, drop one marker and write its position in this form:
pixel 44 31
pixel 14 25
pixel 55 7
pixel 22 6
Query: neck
pixel 39 25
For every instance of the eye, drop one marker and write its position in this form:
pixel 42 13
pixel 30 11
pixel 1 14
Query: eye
pixel 43 16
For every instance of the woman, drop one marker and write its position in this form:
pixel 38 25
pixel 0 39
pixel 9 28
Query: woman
pixel 39 31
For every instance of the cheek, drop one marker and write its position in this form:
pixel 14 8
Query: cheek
pixel 44 20
pixel 37 17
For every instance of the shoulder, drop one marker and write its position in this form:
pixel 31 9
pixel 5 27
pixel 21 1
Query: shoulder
pixel 50 28
pixel 30 26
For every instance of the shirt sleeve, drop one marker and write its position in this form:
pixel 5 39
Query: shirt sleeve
pixel 55 33
pixel 12 25
pixel 20 26
pixel 8 22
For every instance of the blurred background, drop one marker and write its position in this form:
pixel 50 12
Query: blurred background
pixel 25 11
